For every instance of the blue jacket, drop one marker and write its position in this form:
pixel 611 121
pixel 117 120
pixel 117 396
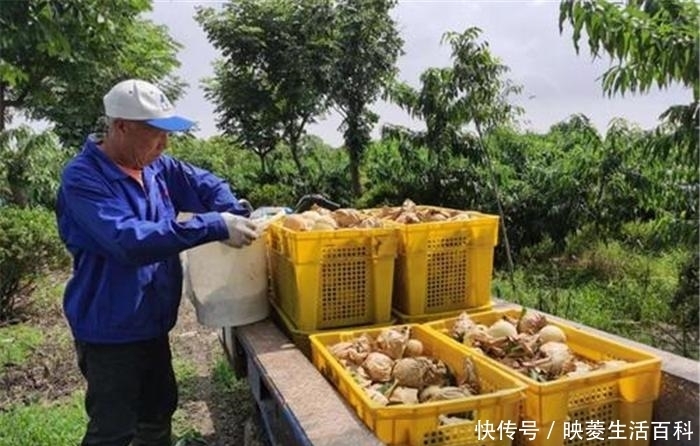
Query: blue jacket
pixel 125 241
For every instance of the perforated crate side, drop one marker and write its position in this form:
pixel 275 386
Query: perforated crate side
pixel 445 266
pixel 339 278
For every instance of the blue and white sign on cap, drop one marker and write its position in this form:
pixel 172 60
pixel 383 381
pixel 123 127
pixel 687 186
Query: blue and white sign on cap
pixel 138 100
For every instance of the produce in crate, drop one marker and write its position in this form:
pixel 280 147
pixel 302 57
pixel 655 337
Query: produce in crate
pixel 409 213
pixel 528 344
pixel 320 219
pixel 393 368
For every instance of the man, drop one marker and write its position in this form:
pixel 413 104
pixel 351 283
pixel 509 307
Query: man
pixel 116 210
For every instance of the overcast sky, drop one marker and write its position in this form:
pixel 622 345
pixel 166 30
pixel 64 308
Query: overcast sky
pixel 524 34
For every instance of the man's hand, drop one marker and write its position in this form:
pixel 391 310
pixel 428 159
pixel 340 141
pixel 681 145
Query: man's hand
pixel 241 231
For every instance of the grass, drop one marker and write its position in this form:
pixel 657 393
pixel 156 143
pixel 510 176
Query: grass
pixel 182 429
pixel 185 373
pixel 606 286
pixel 223 377
pixel 17 343
pixel 49 291
pixel 228 391
pixel 56 423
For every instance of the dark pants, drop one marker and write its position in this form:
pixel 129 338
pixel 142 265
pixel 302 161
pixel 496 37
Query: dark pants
pixel 131 392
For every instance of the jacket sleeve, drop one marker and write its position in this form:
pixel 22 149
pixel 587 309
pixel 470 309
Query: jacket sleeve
pixel 196 190
pixel 120 233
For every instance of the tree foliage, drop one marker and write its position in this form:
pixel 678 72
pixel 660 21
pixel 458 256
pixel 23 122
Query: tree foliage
pixel 30 165
pixel 474 91
pixel 58 58
pixel 368 45
pixel 651 43
pixel 275 73
pixel 472 94
pixel 280 184
pixel 685 304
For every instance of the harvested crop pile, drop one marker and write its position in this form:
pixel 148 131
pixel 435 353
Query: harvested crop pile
pixel 528 344
pixel 409 213
pixel 395 368
pixel 321 219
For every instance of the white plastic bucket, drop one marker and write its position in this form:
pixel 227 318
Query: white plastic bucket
pixel 227 286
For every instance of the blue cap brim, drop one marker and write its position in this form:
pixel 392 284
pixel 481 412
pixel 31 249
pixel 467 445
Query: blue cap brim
pixel 173 124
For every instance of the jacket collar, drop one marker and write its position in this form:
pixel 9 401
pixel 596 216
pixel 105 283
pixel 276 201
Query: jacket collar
pixel 107 166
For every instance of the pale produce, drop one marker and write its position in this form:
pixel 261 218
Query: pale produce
pixel 551 333
pixel 437 393
pixel 321 219
pixel 397 369
pixel 528 344
pixel 378 367
pixel 354 352
pixel 414 348
pixel 392 342
pixel 532 322
pixel 409 213
pixel 501 329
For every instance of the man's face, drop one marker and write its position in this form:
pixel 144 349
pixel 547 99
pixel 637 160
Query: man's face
pixel 139 143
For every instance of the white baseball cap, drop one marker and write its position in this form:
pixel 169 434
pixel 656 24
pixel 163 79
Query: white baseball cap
pixel 138 100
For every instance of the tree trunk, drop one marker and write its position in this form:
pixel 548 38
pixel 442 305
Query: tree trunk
pixel 293 132
pixel 19 195
pixel 2 107
pixel 263 164
pixel 354 148
pixel 356 138
pixel 355 175
pixel 294 148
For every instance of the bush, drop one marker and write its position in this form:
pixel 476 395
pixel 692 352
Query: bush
pixel 30 165
pixel 685 304
pixel 280 184
pixel 29 247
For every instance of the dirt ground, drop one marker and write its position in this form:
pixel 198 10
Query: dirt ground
pixel 205 412
pixel 224 419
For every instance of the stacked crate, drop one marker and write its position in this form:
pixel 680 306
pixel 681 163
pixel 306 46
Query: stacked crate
pixel 331 279
pixel 366 277
pixel 328 286
pixel 444 267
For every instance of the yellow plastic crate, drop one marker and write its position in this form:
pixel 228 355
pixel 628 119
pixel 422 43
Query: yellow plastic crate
pixel 624 396
pixel 417 424
pixel 444 266
pixel 429 317
pixel 330 279
pixel 300 338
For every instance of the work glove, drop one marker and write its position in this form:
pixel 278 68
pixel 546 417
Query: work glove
pixel 241 231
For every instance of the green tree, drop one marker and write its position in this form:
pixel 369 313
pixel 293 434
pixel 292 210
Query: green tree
pixel 652 43
pixel 368 45
pixel 275 74
pixel 57 57
pixel 473 92
pixel 30 166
